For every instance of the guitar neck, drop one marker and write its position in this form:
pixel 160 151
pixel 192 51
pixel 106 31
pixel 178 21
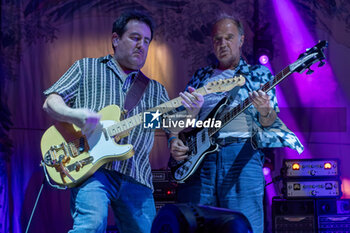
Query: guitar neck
pixel 230 115
pixel 131 122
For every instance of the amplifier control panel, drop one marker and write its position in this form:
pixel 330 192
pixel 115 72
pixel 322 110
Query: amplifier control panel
pixel 312 188
pixel 310 168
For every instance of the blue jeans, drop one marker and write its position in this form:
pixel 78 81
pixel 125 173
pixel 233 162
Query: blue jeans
pixel 132 204
pixel 231 178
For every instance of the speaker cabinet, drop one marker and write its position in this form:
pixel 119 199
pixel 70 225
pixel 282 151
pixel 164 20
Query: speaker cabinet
pixel 311 215
pixel 333 215
pixel 293 216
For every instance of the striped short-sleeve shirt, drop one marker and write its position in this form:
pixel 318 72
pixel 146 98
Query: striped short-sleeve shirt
pixel 95 83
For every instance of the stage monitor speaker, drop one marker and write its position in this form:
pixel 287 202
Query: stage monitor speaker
pixel 293 216
pixel 187 218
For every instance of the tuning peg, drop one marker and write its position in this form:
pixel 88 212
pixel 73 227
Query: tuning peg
pixel 310 71
pixel 321 63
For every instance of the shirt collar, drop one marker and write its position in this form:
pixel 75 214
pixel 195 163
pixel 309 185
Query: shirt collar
pixel 115 67
pixel 242 67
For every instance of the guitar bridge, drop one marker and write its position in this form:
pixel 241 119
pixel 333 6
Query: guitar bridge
pixel 62 153
pixel 57 154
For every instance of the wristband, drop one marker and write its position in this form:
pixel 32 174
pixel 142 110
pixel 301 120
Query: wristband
pixel 170 140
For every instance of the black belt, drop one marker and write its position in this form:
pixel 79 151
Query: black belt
pixel 230 140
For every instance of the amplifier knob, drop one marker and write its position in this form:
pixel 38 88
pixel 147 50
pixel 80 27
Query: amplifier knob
pixel 326 208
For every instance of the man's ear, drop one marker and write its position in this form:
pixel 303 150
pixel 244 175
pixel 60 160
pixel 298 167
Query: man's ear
pixel 115 42
pixel 115 39
pixel 241 41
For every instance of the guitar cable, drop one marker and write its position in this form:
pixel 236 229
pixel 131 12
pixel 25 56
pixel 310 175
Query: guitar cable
pixel 36 203
pixel 48 179
pixel 39 194
pixel 274 180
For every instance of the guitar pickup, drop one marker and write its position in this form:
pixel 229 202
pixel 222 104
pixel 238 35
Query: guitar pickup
pixel 79 164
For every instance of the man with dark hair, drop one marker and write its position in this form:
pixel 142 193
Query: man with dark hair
pixel 120 23
pixel 232 176
pixel 91 84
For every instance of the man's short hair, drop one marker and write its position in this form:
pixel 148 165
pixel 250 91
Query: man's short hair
pixel 119 26
pixel 234 19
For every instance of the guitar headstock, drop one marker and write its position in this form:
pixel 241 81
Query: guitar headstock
pixel 223 85
pixel 311 56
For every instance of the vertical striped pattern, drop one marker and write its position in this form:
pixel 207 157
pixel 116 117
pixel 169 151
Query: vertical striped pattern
pixel 95 83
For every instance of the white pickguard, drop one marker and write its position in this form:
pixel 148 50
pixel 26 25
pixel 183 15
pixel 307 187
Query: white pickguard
pixel 101 148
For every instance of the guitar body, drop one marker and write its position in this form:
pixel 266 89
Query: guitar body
pixel 200 144
pixel 71 157
pixel 187 167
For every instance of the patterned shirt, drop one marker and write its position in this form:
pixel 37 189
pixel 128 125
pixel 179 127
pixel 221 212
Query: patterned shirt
pixel 95 83
pixel 276 135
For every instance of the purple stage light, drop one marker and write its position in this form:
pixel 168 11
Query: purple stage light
pixel 266 171
pixel 263 59
pixel 297 37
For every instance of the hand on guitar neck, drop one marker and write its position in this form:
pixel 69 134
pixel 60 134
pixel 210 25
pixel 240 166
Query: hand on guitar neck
pixel 261 102
pixel 193 102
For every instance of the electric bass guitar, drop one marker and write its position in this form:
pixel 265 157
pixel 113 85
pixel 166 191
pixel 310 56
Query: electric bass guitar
pixel 201 141
pixel 70 157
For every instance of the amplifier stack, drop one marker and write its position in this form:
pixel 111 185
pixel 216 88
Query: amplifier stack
pixel 310 203
pixel 311 178
pixel 164 188
pixel 164 192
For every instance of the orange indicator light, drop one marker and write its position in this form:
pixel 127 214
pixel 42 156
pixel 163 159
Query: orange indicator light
pixel 295 166
pixel 327 165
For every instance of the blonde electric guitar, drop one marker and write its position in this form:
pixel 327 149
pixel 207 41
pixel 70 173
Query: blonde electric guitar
pixel 70 157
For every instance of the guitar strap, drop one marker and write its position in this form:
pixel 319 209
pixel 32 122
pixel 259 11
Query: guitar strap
pixel 135 92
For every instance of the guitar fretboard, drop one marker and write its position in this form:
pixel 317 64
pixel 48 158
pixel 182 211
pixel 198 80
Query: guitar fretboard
pixel 216 86
pixel 230 115
pixel 131 122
